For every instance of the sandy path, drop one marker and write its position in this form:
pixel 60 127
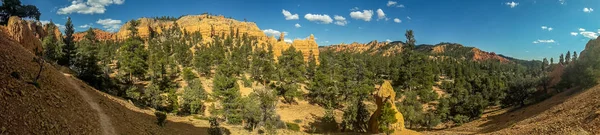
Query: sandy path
pixel 107 127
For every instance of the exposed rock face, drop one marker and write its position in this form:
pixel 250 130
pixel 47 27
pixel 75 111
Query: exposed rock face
pixel 479 55
pixel 593 44
pixel 303 45
pixel 373 47
pixel 211 26
pixel 385 94
pixel 100 35
pixel 56 31
pixel 22 32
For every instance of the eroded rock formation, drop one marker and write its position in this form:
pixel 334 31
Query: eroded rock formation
pixel 303 45
pixel 24 33
pixel 210 26
pixel 385 94
pixel 100 35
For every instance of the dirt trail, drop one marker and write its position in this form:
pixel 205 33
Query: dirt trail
pixel 107 127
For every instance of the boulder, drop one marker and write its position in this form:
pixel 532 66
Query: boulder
pixel 22 32
pixel 385 94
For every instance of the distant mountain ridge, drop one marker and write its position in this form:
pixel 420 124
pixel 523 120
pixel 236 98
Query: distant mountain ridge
pixel 441 49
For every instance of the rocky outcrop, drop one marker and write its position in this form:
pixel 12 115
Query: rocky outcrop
pixel 303 45
pixel 207 25
pixel 479 55
pixel 373 47
pixel 24 33
pixel 57 33
pixel 385 94
pixel 100 35
pixel 211 26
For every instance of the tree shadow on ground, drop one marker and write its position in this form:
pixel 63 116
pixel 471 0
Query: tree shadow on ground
pixel 322 125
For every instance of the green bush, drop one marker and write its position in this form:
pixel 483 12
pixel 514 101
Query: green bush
pixel 292 126
pixel 297 121
pixel 161 118
pixel 460 119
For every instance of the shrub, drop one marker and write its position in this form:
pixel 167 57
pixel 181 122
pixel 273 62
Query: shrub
pixel 297 121
pixel 215 128
pixel 161 118
pixel 292 126
pixel 460 119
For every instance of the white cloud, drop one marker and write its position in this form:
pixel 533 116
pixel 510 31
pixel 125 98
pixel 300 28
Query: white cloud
pixel 60 26
pixel 408 17
pixel 110 24
pixel 574 33
pixel 589 34
pixel 512 4
pixel 547 28
pixel 391 3
pixel 400 6
pixel 298 25
pixel 324 19
pixel 340 20
pixel 544 41
pixel 287 40
pixel 44 22
pixel 588 10
pixel 561 1
pixel 365 15
pixel 397 20
pixel 272 32
pixel 388 40
pixel 289 16
pixel 581 29
pixel 85 26
pixel 354 9
pixel 381 14
pixel 88 7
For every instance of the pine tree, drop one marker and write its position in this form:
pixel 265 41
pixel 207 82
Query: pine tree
pixel 14 8
pixel 410 39
pixel 551 61
pixel 50 44
pixel 85 62
pixel 568 57
pixel 544 64
pixel 312 65
pixel 291 70
pixel 575 56
pixel 387 118
pixel 561 59
pixel 69 50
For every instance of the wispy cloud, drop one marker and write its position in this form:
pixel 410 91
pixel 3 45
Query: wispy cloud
pixel 574 33
pixel 381 15
pixel 288 15
pixel 88 7
pixel 391 3
pixel 340 20
pixel 110 24
pixel 547 28
pixel 297 25
pixel 323 19
pixel 512 4
pixel 544 41
pixel 272 32
pixel 397 20
pixel 85 26
pixel 588 10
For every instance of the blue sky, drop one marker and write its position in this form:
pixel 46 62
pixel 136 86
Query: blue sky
pixel 510 27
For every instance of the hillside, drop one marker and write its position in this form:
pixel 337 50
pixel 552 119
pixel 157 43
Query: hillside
pixel 27 109
pixel 442 49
